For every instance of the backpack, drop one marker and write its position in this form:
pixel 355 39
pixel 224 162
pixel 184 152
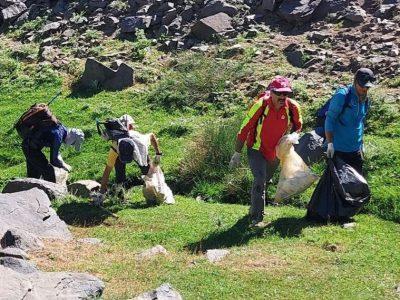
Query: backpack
pixel 113 129
pixel 37 116
pixel 322 111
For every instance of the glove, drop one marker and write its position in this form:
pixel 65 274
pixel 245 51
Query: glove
pixel 67 167
pixel 235 161
pixel 157 158
pixel 97 198
pixel 330 151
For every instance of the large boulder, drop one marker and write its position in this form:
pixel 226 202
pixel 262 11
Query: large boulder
pixel 83 188
pixel 18 265
pixel 217 6
pixel 41 285
pixel 99 76
pixel 53 190
pixel 30 211
pixel 207 28
pixel 298 11
pixel 12 12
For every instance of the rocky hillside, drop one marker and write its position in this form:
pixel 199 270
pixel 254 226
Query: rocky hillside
pixel 317 35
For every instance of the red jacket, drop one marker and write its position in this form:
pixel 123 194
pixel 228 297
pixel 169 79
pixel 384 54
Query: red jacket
pixel 263 125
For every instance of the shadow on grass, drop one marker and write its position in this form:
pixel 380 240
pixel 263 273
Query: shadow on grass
pixel 82 214
pixel 240 233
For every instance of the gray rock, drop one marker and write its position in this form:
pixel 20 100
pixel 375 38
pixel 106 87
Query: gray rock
pixel 164 292
pixel 268 5
pixel 13 252
pixel 169 16
pixel 207 28
pixel 130 24
pixel 21 239
pixel 83 188
pixel 295 55
pixel 96 74
pixel 12 12
pixel 217 6
pixel 298 11
pixel 156 250
pixel 330 7
pixel 215 255
pixel 50 28
pixel 234 50
pixel 355 14
pixel 93 4
pixel 349 225
pixel 91 241
pixel 40 285
pixel 18 265
pixel 53 190
pixel 6 3
pixel 30 211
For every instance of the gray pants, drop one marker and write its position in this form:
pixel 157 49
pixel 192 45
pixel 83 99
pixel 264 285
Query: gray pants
pixel 262 170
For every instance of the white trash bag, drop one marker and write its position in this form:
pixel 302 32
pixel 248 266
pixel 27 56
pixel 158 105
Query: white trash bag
pixel 155 189
pixel 295 176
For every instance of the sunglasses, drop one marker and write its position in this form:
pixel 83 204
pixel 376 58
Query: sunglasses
pixel 281 93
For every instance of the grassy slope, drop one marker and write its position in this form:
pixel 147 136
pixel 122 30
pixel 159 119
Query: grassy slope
pixel 286 260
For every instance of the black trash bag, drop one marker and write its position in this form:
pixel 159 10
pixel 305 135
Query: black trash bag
pixel 310 148
pixel 340 193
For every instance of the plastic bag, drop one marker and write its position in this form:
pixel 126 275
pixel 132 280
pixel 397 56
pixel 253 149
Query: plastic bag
pixel 155 189
pixel 311 148
pixel 295 176
pixel 340 193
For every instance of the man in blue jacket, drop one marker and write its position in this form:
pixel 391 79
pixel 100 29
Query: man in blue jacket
pixel 344 126
pixel 37 164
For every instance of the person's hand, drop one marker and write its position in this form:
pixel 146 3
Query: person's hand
pixel 67 167
pixel 157 158
pixel 330 151
pixel 235 161
pixel 97 198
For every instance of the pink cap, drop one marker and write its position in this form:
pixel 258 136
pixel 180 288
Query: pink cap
pixel 280 84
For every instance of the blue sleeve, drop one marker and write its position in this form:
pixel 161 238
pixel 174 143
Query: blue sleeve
pixel 335 108
pixel 55 150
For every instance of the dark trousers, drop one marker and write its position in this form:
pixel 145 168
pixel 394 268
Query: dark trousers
pixel 354 159
pixel 120 171
pixel 37 164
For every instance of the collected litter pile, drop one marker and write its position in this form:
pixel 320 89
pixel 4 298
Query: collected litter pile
pixel 295 176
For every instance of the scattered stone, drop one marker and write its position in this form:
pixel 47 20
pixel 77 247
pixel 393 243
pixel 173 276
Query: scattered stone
pixel 216 255
pixel 207 28
pixel 13 252
pixel 349 225
pixel 330 247
pixel 218 6
pixel 50 28
pixel 233 51
pixel 83 188
pixel 298 11
pixel 397 289
pixel 21 239
pixel 50 285
pixel 12 12
pixel 97 75
pixel 355 14
pixel 268 5
pixel 92 241
pixel 18 265
pixel 30 211
pixel 130 24
pixel 163 292
pixel 53 190
pixel 156 250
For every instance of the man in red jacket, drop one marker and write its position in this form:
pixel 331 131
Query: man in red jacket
pixel 272 116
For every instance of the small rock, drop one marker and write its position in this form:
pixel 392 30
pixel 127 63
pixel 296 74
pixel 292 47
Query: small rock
pixel 330 247
pixel 156 250
pixel 18 265
pixel 13 252
pixel 83 188
pixel 216 255
pixel 164 292
pixel 349 225
pixel 92 241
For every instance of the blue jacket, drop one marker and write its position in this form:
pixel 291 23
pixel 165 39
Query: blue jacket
pixel 51 137
pixel 347 127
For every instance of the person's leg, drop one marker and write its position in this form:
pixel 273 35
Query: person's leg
pixel 271 166
pixel 38 165
pixel 120 172
pixel 258 167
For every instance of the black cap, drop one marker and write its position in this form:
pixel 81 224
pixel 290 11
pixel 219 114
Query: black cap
pixel 365 77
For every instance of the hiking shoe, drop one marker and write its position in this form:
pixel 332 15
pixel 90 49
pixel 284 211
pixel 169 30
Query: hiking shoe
pixel 258 224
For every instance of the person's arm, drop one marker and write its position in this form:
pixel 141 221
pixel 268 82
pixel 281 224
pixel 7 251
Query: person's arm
pixel 332 115
pixel 297 117
pixel 55 157
pixel 154 143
